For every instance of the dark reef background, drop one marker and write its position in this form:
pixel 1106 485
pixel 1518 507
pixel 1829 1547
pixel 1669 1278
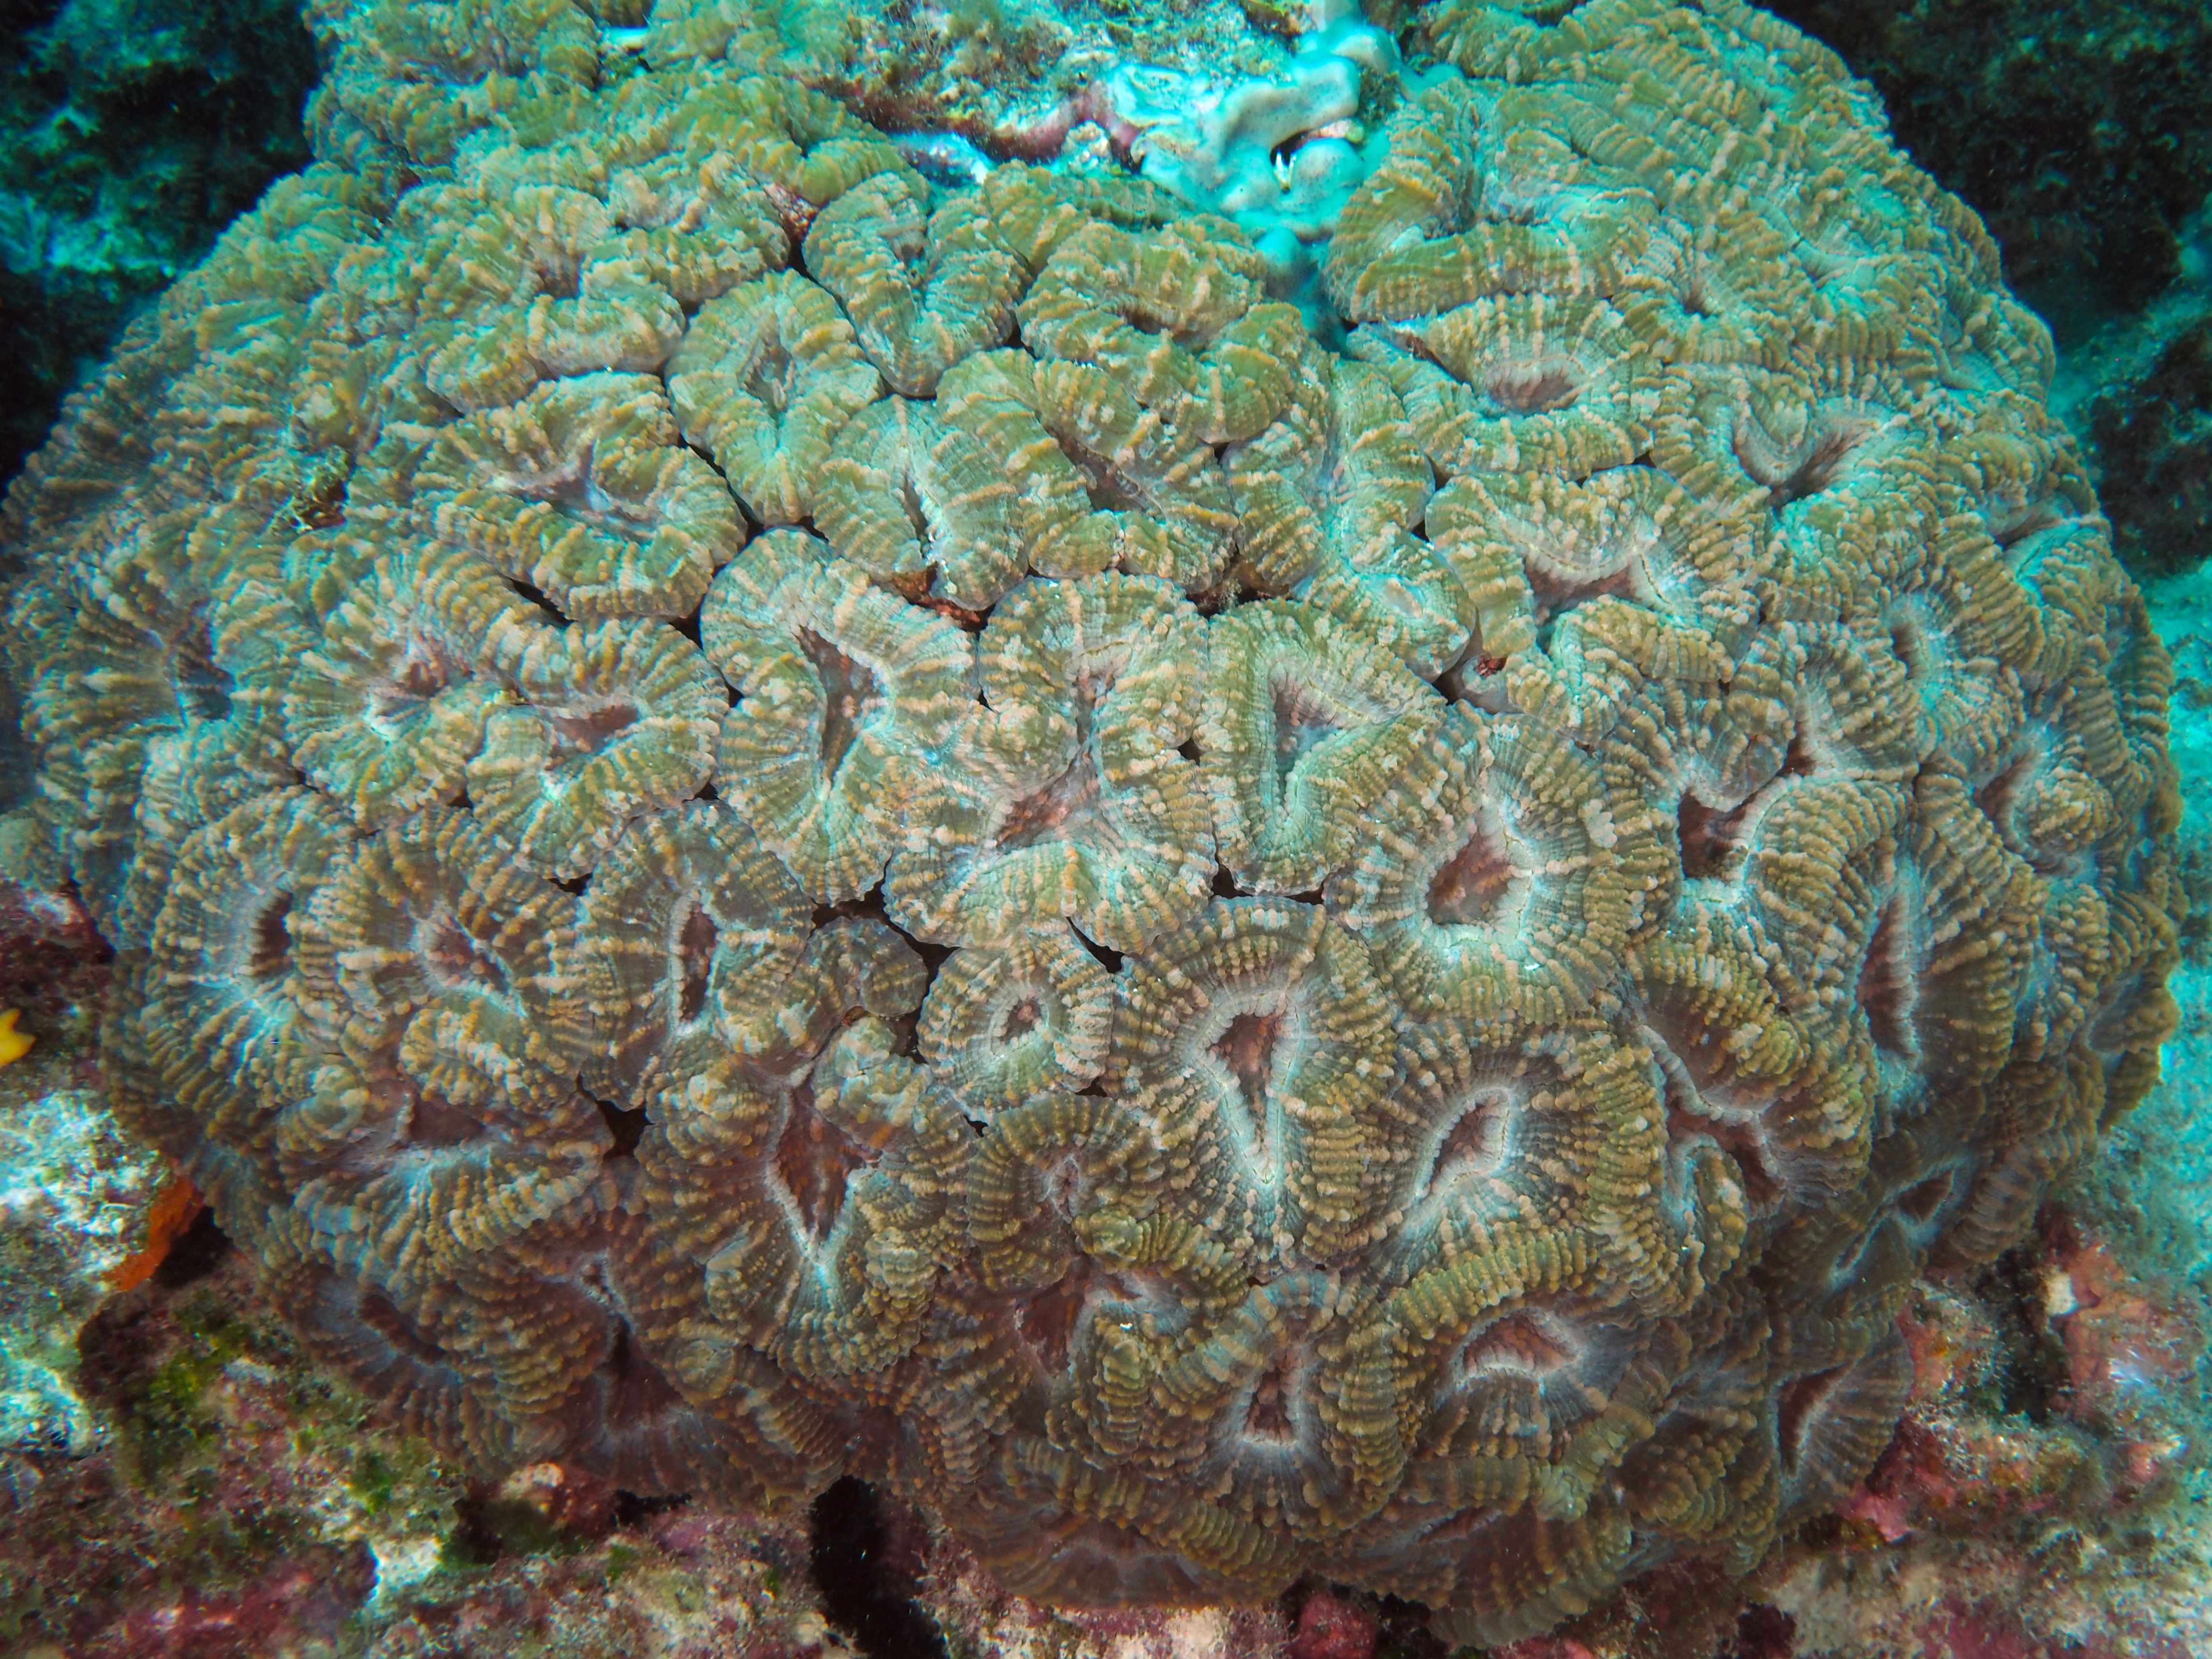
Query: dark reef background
pixel 2079 130
pixel 131 131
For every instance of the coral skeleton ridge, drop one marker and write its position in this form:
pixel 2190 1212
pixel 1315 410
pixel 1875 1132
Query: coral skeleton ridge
pixel 765 819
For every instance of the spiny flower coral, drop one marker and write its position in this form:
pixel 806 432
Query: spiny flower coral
pixel 763 821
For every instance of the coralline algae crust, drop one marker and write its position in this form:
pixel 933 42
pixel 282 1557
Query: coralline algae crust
pixel 763 821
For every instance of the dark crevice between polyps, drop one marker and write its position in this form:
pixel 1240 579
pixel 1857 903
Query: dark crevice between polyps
pixel 1105 955
pixel 626 1126
pixel 865 1578
pixel 192 1254
pixel 2034 1374
pixel 537 596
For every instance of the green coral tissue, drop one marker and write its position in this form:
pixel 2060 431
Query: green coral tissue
pixel 764 820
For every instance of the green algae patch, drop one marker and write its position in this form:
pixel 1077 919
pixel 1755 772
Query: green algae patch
pixel 151 1364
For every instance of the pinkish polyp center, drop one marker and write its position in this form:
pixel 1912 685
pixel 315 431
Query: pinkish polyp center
pixel 1247 1049
pixel 850 693
pixel 1469 887
pixel 696 936
pixel 813 1160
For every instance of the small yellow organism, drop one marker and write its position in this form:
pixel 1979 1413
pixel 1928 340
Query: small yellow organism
pixel 14 1044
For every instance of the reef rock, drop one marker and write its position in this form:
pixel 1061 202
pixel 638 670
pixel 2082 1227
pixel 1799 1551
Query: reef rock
pixel 1221 958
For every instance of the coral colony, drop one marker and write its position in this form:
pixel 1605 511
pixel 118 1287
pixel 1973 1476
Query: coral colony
pixel 1232 885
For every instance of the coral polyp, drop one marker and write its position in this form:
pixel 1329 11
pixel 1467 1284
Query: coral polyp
pixel 1234 900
